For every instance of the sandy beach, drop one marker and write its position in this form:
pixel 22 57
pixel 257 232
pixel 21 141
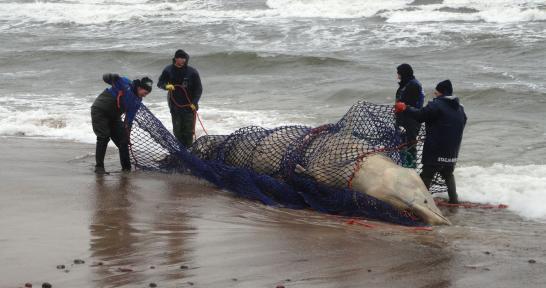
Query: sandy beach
pixel 175 231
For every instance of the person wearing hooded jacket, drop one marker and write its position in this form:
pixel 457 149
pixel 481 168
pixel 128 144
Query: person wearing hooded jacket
pixel 184 86
pixel 411 93
pixel 124 97
pixel 445 120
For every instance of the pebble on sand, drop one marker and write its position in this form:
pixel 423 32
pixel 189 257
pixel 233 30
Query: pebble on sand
pixel 60 267
pixel 46 285
pixel 78 261
pixel 121 269
pixel 28 285
pixel 152 267
pixel 369 270
pixel 152 285
pixel 184 267
pixel 280 286
pixel 532 261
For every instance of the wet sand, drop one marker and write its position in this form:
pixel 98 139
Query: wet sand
pixel 53 210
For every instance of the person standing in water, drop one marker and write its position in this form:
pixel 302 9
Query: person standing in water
pixel 445 120
pixel 410 92
pixel 184 87
pixel 124 97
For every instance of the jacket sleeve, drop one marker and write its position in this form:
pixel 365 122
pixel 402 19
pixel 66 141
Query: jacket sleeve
pixel 197 88
pixel 164 79
pixel 426 114
pixel 411 94
pixel 110 78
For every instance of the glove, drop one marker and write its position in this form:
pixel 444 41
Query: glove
pixel 399 107
pixel 169 87
pixel 193 107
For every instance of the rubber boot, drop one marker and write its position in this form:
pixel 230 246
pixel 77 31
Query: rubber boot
pixel 452 190
pixel 124 158
pixel 100 153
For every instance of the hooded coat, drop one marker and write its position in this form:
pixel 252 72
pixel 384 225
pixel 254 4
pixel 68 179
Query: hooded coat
pixel 187 77
pixel 445 120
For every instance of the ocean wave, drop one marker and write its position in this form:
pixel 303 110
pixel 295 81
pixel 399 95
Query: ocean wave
pixel 395 11
pixel 522 188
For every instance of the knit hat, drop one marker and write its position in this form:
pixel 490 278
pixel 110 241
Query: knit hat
pixel 445 88
pixel 144 83
pixel 181 54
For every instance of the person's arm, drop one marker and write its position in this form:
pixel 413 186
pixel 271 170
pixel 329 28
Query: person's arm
pixel 110 78
pixel 164 79
pixel 411 94
pixel 197 88
pixel 426 114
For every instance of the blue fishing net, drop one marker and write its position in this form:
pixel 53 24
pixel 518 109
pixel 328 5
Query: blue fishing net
pixel 290 166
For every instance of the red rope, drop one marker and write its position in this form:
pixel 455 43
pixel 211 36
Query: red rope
pixel 195 114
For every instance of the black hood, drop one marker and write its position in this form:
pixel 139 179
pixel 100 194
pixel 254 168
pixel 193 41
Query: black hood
pixel 452 101
pixel 406 73
pixel 182 54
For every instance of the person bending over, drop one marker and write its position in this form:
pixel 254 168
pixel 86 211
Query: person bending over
pixel 444 119
pixel 123 97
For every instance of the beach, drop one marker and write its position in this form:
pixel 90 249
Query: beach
pixel 133 229
pixel 265 63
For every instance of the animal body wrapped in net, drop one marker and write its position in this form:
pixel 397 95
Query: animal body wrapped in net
pixel 290 166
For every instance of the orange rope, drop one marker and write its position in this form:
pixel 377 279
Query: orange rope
pixel 195 114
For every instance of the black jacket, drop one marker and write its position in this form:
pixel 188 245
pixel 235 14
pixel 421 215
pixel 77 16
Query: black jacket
pixel 445 120
pixel 411 93
pixel 187 77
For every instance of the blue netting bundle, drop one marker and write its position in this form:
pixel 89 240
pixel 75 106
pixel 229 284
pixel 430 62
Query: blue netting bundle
pixel 288 166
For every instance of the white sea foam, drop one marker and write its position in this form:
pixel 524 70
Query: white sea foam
pixel 522 188
pixel 101 12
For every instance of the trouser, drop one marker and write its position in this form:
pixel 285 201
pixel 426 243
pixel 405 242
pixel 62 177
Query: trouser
pixel 109 126
pixel 412 128
pixel 447 174
pixel 183 126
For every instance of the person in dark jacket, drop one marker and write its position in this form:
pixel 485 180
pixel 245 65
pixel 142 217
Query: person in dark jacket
pixel 184 86
pixel 411 93
pixel 124 97
pixel 445 120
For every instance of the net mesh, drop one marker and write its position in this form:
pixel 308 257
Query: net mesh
pixel 289 166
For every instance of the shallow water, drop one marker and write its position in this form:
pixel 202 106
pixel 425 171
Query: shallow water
pixel 131 222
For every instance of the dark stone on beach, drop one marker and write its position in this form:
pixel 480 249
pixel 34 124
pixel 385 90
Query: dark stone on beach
pixel 190 283
pixel 121 269
pixel 152 285
pixel 234 279
pixel 46 285
pixel 280 286
pixel 66 271
pixel 486 269
pixel 78 261
pixel 487 253
pixel 288 280
pixel 369 270
pixel 60 267
pixel 184 267
pixel 532 261
pixel 28 285
pixel 152 267
pixel 97 264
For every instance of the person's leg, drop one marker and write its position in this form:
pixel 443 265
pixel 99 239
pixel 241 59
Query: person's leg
pixel 177 120
pixel 101 128
pixel 427 174
pixel 120 136
pixel 187 129
pixel 449 178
